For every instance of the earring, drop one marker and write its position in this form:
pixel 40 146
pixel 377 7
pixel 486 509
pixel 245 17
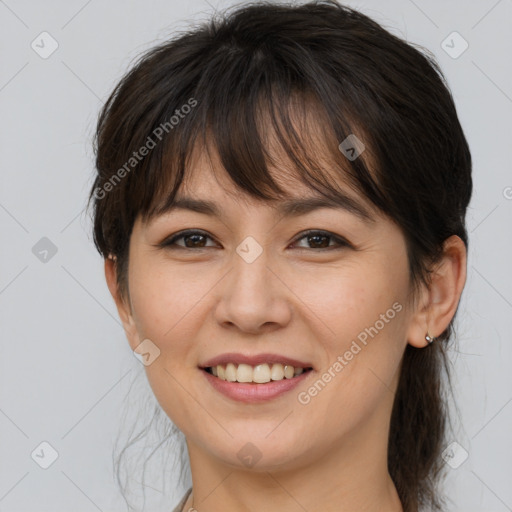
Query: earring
pixel 430 339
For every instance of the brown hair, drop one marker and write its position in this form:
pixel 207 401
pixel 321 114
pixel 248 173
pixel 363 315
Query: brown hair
pixel 215 82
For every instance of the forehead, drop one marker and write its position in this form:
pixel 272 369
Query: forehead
pixel 206 174
pixel 207 178
pixel 210 191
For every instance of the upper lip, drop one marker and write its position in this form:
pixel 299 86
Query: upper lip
pixel 254 360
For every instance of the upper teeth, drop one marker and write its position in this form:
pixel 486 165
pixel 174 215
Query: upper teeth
pixel 260 373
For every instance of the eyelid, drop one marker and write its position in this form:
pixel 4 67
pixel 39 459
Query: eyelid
pixel 170 241
pixel 342 242
pixel 339 240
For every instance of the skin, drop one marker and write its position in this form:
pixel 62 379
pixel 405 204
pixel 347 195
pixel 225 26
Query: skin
pixel 294 299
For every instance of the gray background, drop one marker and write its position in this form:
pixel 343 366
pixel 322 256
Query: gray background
pixel 65 366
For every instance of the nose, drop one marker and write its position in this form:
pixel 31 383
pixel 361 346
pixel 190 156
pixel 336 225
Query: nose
pixel 253 296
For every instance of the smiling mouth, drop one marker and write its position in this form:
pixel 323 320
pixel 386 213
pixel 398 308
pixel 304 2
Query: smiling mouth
pixel 258 374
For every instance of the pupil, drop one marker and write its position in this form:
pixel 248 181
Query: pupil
pixel 316 237
pixel 194 244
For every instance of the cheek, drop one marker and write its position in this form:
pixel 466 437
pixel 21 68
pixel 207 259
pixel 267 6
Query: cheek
pixel 161 298
pixel 365 308
pixel 362 310
pixel 163 306
pixel 345 300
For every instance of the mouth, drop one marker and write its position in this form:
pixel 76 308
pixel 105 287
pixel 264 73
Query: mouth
pixel 254 378
pixel 258 374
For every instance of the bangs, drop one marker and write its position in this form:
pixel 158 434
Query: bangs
pixel 259 117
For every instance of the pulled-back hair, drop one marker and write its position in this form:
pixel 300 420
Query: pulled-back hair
pixel 227 82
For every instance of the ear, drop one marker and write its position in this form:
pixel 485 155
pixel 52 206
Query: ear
pixel 122 303
pixel 438 303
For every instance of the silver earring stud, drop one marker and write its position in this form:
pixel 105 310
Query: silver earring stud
pixel 430 339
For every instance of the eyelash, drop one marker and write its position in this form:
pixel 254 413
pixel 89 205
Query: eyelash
pixel 170 243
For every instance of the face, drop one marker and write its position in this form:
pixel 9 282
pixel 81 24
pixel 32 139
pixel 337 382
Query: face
pixel 249 286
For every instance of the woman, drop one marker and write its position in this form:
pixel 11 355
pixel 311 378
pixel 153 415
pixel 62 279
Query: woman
pixel 280 201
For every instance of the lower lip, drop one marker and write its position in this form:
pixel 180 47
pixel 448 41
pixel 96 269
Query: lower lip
pixel 253 393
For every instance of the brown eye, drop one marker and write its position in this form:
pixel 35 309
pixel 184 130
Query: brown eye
pixel 317 240
pixel 193 240
pixel 321 240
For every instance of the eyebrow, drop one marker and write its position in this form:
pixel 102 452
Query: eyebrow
pixel 289 208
